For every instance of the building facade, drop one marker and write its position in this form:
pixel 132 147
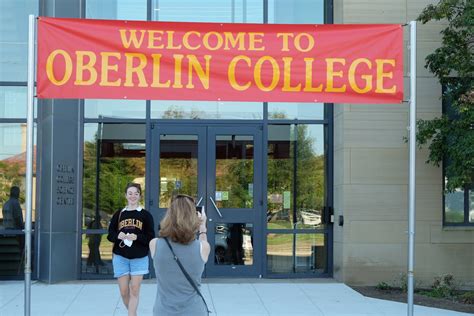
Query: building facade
pixel 291 189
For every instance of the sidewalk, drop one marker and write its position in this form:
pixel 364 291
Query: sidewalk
pixel 225 297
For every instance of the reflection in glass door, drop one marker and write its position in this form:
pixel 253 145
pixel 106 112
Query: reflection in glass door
pixel 221 168
pixel 234 200
pixel 298 223
pixel 178 165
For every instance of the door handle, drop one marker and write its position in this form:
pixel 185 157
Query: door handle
pixel 215 206
pixel 199 202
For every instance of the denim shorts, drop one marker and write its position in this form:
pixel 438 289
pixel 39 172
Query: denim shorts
pixel 124 266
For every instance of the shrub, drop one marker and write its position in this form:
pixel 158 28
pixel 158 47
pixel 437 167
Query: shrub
pixel 402 282
pixel 383 286
pixel 467 298
pixel 444 286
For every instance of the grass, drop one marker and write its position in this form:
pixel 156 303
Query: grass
pixel 279 239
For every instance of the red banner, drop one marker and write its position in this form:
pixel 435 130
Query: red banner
pixel 105 59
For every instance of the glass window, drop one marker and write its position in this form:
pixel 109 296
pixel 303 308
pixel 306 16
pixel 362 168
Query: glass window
pixel 233 244
pixel 459 207
pixel 296 11
pixel 114 154
pixel 11 254
pixel 296 253
pixel 310 177
pixel 178 166
pixel 114 109
pixel 454 207
pixel 116 9
pixel 13 102
pixel 13 162
pixel 12 197
pixel 235 11
pixel 14 38
pixel 96 255
pixel 471 205
pixel 296 168
pixel 310 253
pixel 234 171
pixel 280 253
pixel 281 177
pixel 291 111
pixel 206 110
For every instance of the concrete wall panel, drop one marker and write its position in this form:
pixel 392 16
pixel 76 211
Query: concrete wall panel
pixel 372 245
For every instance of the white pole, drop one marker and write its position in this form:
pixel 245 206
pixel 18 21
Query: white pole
pixel 411 181
pixel 29 161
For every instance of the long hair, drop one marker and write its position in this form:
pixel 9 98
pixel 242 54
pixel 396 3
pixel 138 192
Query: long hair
pixel 181 221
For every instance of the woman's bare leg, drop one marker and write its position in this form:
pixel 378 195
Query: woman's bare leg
pixel 124 286
pixel 134 294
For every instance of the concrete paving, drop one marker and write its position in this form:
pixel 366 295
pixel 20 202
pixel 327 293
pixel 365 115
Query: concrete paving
pixel 225 297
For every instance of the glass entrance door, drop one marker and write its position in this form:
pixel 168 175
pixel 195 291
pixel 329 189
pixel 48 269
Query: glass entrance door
pixel 234 200
pixel 221 167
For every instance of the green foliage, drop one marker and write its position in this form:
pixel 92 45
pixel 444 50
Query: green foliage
pixel 89 175
pixel 9 176
pixel 467 298
pixel 177 169
pixel 452 135
pixel 114 174
pixel 309 178
pixel 444 286
pixel 402 282
pixel 235 176
pixel 383 286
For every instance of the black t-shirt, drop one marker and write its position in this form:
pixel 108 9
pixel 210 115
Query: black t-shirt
pixel 139 222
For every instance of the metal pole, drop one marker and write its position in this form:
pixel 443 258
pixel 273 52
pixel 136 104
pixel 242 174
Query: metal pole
pixel 29 159
pixel 411 180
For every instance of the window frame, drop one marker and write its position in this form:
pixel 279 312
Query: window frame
pixel 467 188
pixel 466 191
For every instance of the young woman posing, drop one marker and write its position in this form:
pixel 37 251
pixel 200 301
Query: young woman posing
pixel 131 230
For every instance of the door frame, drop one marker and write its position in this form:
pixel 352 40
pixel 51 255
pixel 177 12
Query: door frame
pixel 204 132
pixel 254 215
pixel 153 200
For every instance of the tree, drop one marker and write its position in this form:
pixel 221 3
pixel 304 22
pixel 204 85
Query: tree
pixel 451 136
pixel 10 175
pixel 310 173
pixel 115 171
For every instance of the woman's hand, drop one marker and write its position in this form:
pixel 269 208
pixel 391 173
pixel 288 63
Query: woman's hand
pixel 122 236
pixel 203 217
pixel 132 237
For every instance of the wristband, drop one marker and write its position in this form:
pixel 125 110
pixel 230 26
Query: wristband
pixel 202 232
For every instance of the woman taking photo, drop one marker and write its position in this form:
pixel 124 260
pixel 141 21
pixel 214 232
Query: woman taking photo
pixel 131 230
pixel 178 294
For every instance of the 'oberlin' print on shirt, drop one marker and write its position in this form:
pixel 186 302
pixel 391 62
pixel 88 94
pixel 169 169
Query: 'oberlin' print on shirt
pixel 131 222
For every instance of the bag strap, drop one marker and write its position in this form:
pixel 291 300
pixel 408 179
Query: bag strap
pixel 118 221
pixel 121 243
pixel 188 277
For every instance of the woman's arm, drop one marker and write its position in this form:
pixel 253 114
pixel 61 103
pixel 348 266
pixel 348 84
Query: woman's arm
pixel 205 247
pixel 153 247
pixel 113 228
pixel 148 231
